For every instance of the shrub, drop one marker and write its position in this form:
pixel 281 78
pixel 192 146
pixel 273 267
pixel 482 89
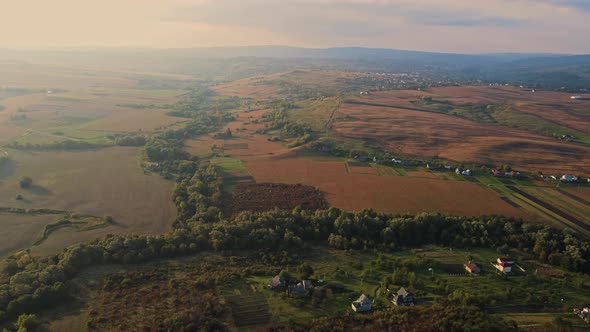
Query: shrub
pixel 26 182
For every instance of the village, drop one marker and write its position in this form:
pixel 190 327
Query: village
pixel 314 291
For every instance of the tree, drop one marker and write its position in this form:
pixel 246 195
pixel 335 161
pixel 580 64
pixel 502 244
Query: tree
pixel 285 275
pixel 305 270
pixel 228 133
pixel 26 323
pixel 26 182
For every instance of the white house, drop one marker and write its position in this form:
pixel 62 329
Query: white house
pixel 568 178
pixel 504 264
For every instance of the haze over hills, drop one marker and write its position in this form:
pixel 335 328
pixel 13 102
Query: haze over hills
pixel 572 72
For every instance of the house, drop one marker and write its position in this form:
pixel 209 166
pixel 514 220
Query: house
pixel 499 173
pixel 403 297
pixel 307 284
pixel 396 161
pixel 504 264
pixel 277 283
pixel 460 172
pixel 472 268
pixel 568 178
pixel 297 290
pixel 576 97
pixel 583 314
pixel 363 304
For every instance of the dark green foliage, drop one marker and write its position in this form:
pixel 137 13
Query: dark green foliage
pixel 130 140
pixel 159 150
pixel 26 182
pixel 201 100
pixel 305 270
pixel 26 323
pixel 63 145
pixel 198 193
pixel 278 120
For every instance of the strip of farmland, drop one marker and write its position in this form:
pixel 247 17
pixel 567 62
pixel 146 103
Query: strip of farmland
pixel 574 197
pixel 552 208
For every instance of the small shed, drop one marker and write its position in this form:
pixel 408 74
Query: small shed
pixel 363 304
pixel 277 283
pixel 472 268
pixel 297 290
pixel 403 297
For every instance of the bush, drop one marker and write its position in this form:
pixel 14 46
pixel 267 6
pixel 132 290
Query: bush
pixel 26 182
pixel 27 323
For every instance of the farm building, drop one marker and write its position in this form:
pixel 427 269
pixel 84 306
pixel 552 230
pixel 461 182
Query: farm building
pixel 568 178
pixel 403 297
pixel 576 97
pixel 499 173
pixel 363 304
pixel 465 172
pixel 277 283
pixel 504 264
pixel 583 314
pixel 297 290
pixel 472 268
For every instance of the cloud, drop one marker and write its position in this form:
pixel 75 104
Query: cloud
pixel 436 25
pixel 576 4
pixel 346 15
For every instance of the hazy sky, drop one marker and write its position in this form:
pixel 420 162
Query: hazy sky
pixel 436 25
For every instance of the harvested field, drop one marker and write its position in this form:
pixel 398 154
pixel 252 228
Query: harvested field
pixel 423 174
pixel 363 170
pixel 79 104
pixel 260 197
pixel 581 194
pixel 563 200
pixel 426 134
pixel 235 146
pixel 103 182
pixel 247 88
pixel 133 120
pixel 511 202
pixel 567 216
pixel 270 162
pixel 20 231
pixel 394 194
pixel 385 170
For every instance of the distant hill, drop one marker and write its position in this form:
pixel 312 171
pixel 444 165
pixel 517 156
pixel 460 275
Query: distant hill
pixel 546 70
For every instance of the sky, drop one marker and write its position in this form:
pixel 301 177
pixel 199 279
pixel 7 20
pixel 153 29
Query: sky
pixel 460 26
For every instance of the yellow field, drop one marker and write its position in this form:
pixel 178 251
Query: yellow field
pixel 43 104
pixel 102 182
pixel 20 231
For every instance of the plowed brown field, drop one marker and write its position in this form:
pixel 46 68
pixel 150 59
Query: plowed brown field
pixel 426 134
pixel 262 197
